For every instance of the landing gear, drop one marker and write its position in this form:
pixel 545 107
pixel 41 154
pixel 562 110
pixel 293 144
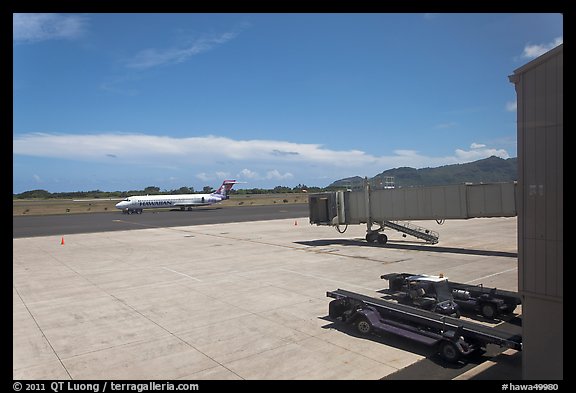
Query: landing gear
pixel 132 211
pixel 373 237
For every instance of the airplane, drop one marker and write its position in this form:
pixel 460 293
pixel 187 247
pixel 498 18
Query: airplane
pixel 135 204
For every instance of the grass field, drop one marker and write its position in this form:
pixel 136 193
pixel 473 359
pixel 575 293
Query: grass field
pixel 69 206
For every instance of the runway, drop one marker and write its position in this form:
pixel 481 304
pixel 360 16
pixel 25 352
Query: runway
pixel 54 225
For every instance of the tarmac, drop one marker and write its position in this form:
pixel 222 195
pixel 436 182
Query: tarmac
pixel 237 301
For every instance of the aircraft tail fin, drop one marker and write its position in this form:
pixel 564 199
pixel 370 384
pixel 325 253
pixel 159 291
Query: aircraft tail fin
pixel 225 188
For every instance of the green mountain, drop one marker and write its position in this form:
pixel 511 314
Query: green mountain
pixel 489 170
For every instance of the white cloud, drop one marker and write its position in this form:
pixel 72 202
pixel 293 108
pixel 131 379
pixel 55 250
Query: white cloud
pixel 475 145
pixel 276 175
pixel 41 27
pixel 479 153
pixel 203 176
pixel 152 57
pixel 248 174
pixel 214 158
pixel 511 106
pixel 533 51
pixel 212 176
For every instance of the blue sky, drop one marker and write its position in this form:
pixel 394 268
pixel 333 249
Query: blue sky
pixel 125 101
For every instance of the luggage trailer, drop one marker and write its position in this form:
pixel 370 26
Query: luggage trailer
pixel 453 338
pixel 489 302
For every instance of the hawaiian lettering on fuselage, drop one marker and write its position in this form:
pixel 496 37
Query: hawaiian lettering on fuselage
pixel 155 203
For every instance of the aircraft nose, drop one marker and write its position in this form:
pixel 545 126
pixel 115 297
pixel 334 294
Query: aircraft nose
pixel 120 205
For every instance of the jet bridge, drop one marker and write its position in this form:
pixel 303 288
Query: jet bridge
pixel 390 207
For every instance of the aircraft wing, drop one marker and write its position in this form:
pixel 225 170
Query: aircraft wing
pixel 189 204
pixel 98 199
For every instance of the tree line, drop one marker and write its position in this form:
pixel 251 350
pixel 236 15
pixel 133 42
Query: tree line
pixel 153 190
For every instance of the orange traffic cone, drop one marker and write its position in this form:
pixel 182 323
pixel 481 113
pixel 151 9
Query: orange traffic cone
pixel 62 241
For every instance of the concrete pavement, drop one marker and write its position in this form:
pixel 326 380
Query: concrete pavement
pixel 227 301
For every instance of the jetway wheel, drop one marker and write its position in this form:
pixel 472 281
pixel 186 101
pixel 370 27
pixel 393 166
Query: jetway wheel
pixel 371 237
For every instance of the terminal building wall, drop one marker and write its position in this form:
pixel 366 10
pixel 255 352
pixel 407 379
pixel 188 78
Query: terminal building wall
pixel 539 91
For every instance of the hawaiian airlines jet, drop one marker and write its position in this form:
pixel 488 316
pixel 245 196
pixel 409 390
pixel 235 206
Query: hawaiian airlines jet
pixel 135 204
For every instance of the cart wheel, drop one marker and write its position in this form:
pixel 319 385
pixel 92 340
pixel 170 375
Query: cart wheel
pixel 449 351
pixel 488 310
pixel 382 238
pixel 364 326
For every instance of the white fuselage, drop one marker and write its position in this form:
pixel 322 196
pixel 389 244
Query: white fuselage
pixel 137 203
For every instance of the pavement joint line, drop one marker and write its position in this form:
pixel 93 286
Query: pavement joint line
pixel 182 274
pixel 171 333
pixel 329 252
pixel 316 251
pixel 492 275
pixel 130 307
pixel 42 332
pixel 324 278
pixel 249 280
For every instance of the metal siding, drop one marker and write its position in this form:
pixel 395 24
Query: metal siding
pixel 358 208
pixel 540 263
pixel 529 266
pixel 397 200
pixel 560 271
pixel 539 95
pixel 425 201
pixel 456 202
pixel 559 148
pixel 559 187
pixel 542 357
pixel 437 201
pixel 539 89
pixel 521 259
pixel 530 190
pixel 509 199
pixel 486 201
pixel 412 199
pixel 377 208
pixel 551 267
pixel 551 92
pixel 551 184
pixel 540 162
pixel 521 194
pixel 381 204
pixel 560 88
